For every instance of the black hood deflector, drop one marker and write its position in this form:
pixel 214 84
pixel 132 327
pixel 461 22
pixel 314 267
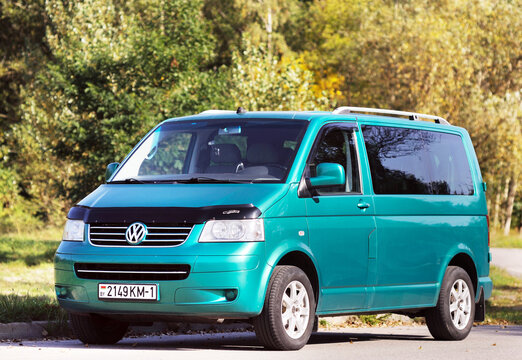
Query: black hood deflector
pixel 163 215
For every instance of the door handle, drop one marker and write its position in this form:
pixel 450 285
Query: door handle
pixel 363 205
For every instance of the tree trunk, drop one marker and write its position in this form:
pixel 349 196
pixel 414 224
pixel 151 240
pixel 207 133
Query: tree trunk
pixel 162 17
pixel 496 211
pixel 503 203
pixel 510 202
pixel 268 27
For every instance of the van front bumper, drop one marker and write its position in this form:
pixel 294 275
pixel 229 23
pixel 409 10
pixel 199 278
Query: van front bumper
pixel 204 293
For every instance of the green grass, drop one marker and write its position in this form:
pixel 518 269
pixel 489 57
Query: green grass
pixel 27 278
pixel 31 248
pixel 513 240
pixel 18 308
pixel 505 304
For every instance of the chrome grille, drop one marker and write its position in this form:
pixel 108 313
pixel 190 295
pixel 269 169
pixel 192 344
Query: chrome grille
pixel 146 272
pixel 158 235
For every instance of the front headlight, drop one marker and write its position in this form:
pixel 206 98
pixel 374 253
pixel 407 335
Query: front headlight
pixel 73 230
pixel 233 231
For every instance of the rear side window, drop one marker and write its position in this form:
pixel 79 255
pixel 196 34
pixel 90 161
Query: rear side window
pixel 411 161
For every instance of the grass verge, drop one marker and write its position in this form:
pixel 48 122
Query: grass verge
pixel 31 248
pixel 19 308
pixel 505 305
pixel 27 278
pixel 513 240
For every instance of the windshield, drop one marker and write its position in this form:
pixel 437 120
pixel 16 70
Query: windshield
pixel 249 150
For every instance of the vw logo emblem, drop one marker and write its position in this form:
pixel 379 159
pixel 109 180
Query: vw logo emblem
pixel 136 233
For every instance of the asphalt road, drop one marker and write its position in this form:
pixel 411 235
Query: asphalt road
pixel 404 343
pixel 508 259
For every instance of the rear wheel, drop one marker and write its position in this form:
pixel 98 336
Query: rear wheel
pixel 287 319
pixel 453 316
pixel 96 329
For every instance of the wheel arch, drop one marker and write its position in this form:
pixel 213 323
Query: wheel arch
pixel 464 260
pixel 304 262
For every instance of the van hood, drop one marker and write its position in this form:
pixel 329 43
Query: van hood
pixel 159 202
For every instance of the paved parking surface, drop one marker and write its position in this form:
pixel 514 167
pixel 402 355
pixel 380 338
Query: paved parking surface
pixel 404 343
pixel 508 259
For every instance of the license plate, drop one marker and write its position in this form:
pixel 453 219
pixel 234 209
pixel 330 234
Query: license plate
pixel 147 292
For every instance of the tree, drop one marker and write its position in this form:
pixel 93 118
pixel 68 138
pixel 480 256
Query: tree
pixel 22 53
pixel 118 68
pixel 458 59
pixel 267 23
pixel 260 81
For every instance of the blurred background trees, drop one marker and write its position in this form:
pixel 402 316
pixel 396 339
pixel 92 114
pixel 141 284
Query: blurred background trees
pixel 82 81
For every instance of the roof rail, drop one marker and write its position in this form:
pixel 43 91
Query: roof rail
pixel 410 115
pixel 210 112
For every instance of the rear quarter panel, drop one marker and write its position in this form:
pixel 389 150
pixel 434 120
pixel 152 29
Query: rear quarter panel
pixel 418 235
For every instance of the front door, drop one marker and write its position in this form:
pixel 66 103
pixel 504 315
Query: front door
pixel 340 221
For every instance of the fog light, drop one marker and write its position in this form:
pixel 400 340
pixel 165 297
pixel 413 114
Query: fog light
pixel 61 292
pixel 231 294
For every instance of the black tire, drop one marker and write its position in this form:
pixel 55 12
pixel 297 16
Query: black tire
pixel 96 329
pixel 269 326
pixel 440 320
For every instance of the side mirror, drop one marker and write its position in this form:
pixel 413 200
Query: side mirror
pixel 328 174
pixel 111 168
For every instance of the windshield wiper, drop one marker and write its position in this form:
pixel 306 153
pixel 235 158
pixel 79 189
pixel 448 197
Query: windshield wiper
pixel 192 180
pixel 202 180
pixel 128 181
pixel 264 180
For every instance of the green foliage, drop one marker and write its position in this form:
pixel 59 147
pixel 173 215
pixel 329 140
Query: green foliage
pixel 22 29
pixel 117 70
pixel 16 213
pixel 371 320
pixel 261 81
pixel 268 23
pixel 82 81
pixel 457 59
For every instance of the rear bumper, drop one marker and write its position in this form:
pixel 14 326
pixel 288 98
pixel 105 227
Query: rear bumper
pixel 201 294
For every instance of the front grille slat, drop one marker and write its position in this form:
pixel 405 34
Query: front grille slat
pixel 109 227
pixel 159 235
pixel 167 227
pixel 109 240
pixel 139 272
pixel 103 233
pixel 167 234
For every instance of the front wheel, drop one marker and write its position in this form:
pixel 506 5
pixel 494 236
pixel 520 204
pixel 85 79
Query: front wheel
pixel 287 319
pixel 453 316
pixel 95 329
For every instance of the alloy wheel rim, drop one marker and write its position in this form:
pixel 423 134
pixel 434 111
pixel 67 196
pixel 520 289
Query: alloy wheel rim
pixel 295 309
pixel 460 304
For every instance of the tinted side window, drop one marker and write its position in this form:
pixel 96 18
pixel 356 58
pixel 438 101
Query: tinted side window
pixel 337 145
pixel 411 161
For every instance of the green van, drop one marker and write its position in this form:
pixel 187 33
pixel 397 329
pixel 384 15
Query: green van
pixel 277 218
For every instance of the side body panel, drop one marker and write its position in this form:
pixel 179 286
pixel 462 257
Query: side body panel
pixel 418 235
pixel 339 233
